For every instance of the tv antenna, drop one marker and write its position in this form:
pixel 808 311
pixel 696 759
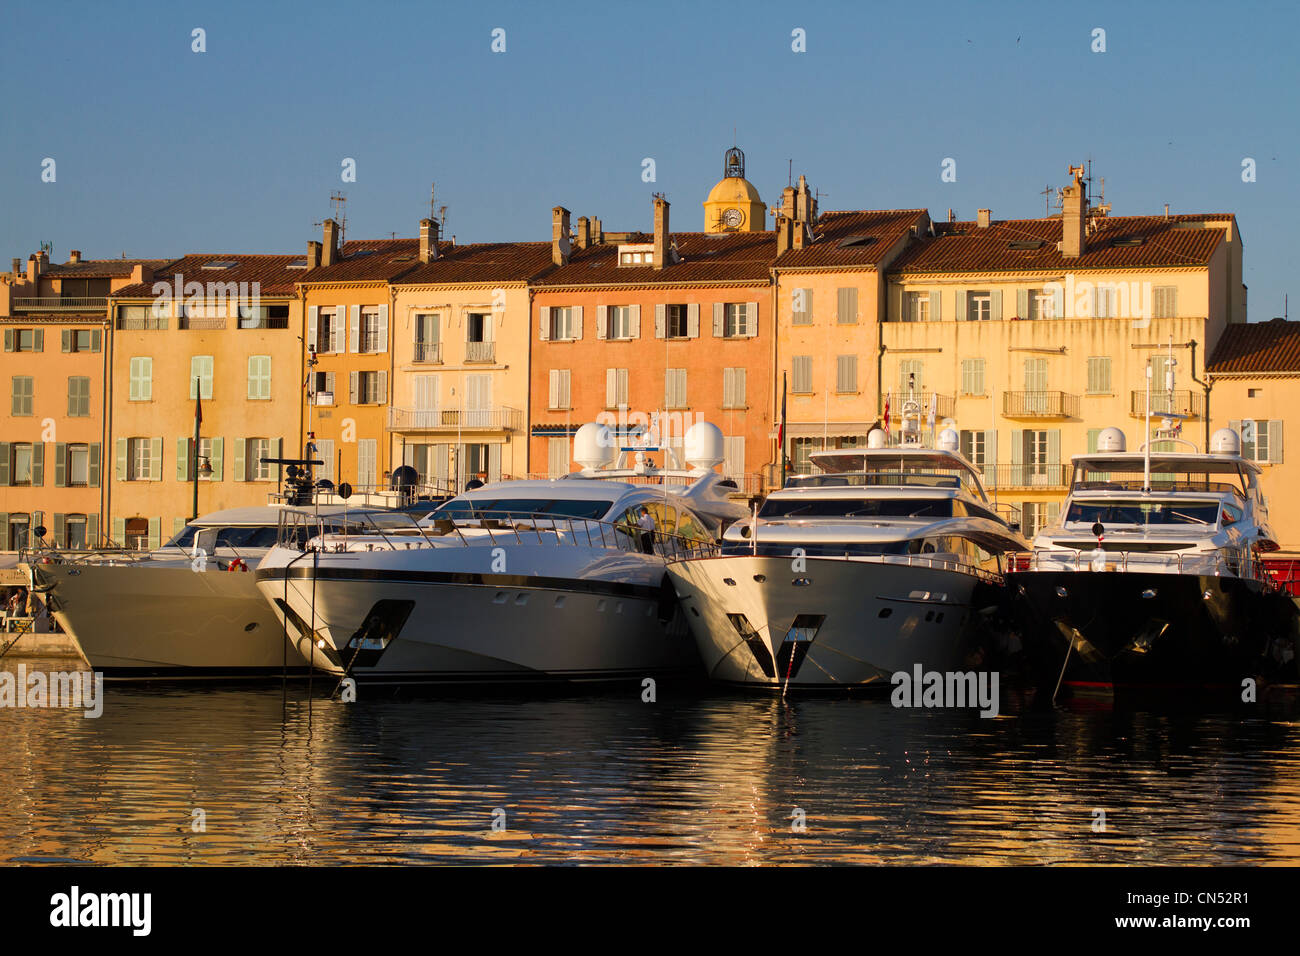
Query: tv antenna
pixel 435 211
pixel 338 212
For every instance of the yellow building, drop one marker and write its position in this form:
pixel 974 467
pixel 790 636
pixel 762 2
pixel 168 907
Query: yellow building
pixel 460 345
pixel 221 328
pixel 1254 373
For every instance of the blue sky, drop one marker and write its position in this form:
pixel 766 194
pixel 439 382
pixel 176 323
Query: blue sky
pixel 162 151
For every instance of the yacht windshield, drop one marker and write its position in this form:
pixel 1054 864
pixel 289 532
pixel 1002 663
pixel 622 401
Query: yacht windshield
pixel 856 508
pixel 1144 512
pixel 240 537
pixel 464 509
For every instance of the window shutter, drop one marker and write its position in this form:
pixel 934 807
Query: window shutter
pixel 92 531
pixel 96 340
pixel 60 465
pixel 354 328
pixel 214 457
pixel 693 320
pixel 238 472
pixel 313 323
pixel 728 388
pixel 9 347
pixel 38 464
pixel 339 330
pixel 1275 441
pixel 1058 303
pixel 544 323
pixel 991 452
pixel 183 458
pixel 611 388
pixel 92 466
pixel 146 379
pixel 936 311
pixel 661 321
pixel 119 532
pixel 178 525
pixel 553 400
pixel 38 337
pixel 1054 446
pixel 155 459
pixel 1092 439
pixel 60 530
pixel 277 447
pixel 636 321
pixel 959 306
pixel 383 387
pixel 995 304
pixel 67 340
pixel 383 328
pixel 577 322
pixel 751 319
pixel 4 515
pixel 1017 455
pixel 566 398
pixel 602 321
pixel 1022 303
pixel 668 388
pixel 4 462
pixel 718 312
pixel 354 387
pixel 120 459
pixel 155 534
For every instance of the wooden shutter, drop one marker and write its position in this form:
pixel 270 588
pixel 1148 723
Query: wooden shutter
pixel 1022 304
pixel 553 399
pixel 611 388
pixel 354 387
pixel 383 387
pixel 354 328
pixel 728 388
pixel 602 321
pixel 92 465
pixel 693 320
pixel 313 324
pixel 995 304
pixel 38 464
pixel 183 458
pixel 494 462
pixel 9 347
pixel 959 306
pixel 240 471
pixel 38 340
pixel 661 321
pixel 5 452
pixel 544 323
pixel 155 459
pixel 4 515
pixel 67 340
pixel 751 319
pixel 636 321
pixel 1275 441
pixel 576 313
pixel 60 530
pixel 383 328
pixel 719 311
pixel 936 309
pixel 60 465
pixel 120 459
pixel 1058 303
pixel 96 344
pixel 215 447
pixel 92 531
pixel 155 534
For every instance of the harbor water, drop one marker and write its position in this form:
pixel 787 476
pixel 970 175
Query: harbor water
pixel 268 775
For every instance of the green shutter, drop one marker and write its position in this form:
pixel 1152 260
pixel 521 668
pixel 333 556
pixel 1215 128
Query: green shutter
pixel 935 307
pixel 60 530
pixel 119 532
pixel 178 525
pixel 238 471
pixel 67 347
pixel 1275 441
pixel 155 459
pixel 9 347
pixel 38 464
pixel 215 458
pixel 92 471
pixel 959 306
pixel 4 515
pixel 995 304
pixel 4 462
pixel 155 532
pixel 92 531
pixel 96 344
pixel 1092 439
pixel 183 456
pixel 60 465
pixel 38 339
pixel 1022 303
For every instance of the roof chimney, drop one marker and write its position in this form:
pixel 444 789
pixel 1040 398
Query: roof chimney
pixel 597 232
pixel 982 218
pixel 787 202
pixel 33 267
pixel 18 267
pixel 1074 208
pixel 805 204
pixel 330 247
pixel 661 232
pixel 584 232
pixel 74 256
pixel 560 236
pixel 428 240
pixel 784 231
pixel 313 255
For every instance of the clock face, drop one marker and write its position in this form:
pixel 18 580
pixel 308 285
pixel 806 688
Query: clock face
pixel 733 218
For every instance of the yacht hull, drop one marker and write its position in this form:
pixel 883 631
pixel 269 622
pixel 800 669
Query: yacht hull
pixel 132 623
pixel 834 623
pixel 468 628
pixel 1153 630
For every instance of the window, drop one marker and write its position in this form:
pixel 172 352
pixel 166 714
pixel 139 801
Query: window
pixel 81 340
pixel 733 388
pixel 557 457
pixel 323 388
pixel 1164 302
pixel 78 396
pixel 800 449
pixel 1261 440
pixel 733 463
pixel 368 462
pixel 911 376
pixel 478 327
pixel 979 306
pixel 1036 515
pixel 801 307
pixel 801 375
pixel 1099 375
pixel 264 317
pixel 975 446
pixel 78 465
pixel 135 534
pixel 23 394
pixel 918 307
pixel 846 373
pixel 972 377
pixel 735 320
pixel 563 326
pixel 675 388
pixel 24 340
pixel 371 336
pixel 74 532
pixel 427 340
pixel 559 395
pixel 619 322
pixel 1042 304
pixel 139 459
pixel 201 376
pixel 141 389
pixel 325 330
pixel 846 311
pixel 677 322
pixel 19 525
pixel 1105 302
pixel 259 377
pixel 368 388
pixel 615 387
pixel 22 464
pixel 255 449
pixel 1037 400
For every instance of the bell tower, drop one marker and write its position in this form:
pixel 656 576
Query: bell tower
pixel 734 205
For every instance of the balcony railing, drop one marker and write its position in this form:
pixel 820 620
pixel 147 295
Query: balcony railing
pixel 430 352
pixel 944 404
pixel 1040 405
pixel 498 418
pixel 136 323
pixel 201 322
pixel 1167 403
pixel 1019 475
pixel 57 303
pixel 480 351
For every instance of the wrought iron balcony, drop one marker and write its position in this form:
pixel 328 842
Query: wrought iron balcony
pixel 496 418
pixel 480 351
pixel 1021 475
pixel 1040 404
pixel 1167 403
pixel 428 352
pixel 944 404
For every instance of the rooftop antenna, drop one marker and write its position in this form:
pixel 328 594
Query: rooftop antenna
pixel 337 199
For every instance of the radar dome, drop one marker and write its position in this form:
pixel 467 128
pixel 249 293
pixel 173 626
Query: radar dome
pixel 949 440
pixel 704 446
pixel 593 446
pixel 1225 442
pixel 1111 439
pixel 877 438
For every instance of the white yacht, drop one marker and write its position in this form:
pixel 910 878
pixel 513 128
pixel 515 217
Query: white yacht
pixel 880 563
pixel 190 609
pixel 514 581
pixel 1151 576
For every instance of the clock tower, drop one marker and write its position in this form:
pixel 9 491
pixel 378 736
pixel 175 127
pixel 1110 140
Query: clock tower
pixel 734 204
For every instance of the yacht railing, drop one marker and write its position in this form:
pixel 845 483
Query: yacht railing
pixel 935 562
pixel 396 531
pixel 1233 562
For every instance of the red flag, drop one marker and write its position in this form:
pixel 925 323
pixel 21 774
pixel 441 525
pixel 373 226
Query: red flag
pixel 886 413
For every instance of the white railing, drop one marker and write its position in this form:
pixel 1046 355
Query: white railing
pixel 1234 562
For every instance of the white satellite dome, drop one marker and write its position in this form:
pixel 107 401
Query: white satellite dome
pixel 949 440
pixel 593 446
pixel 1225 442
pixel 1111 439
pixel 704 446
pixel 877 438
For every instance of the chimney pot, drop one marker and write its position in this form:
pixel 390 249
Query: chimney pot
pixel 661 232
pixel 1074 211
pixel 33 267
pixel 74 256
pixel 982 218
pixel 428 240
pixel 584 232
pixel 560 236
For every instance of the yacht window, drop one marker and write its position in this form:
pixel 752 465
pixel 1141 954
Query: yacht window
pixel 462 509
pixel 857 508
pixel 1143 512
pixel 246 537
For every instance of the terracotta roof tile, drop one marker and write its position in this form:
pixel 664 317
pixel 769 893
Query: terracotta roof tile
pixel 853 238
pixel 368 260
pixel 1185 240
pixel 101 268
pixel 705 257
pixel 1257 347
pixel 271 272
pixel 482 262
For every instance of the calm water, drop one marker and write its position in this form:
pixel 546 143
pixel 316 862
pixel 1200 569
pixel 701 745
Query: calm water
pixel 703 779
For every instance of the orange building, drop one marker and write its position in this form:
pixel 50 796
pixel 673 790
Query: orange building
pixel 53 427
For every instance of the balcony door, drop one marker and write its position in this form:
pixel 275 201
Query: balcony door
pixel 478 401
pixel 1036 386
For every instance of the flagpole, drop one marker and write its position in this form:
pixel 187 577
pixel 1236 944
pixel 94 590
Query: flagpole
pixel 780 433
pixel 194 451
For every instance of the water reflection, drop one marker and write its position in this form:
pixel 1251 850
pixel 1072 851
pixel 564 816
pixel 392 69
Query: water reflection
pixel 705 779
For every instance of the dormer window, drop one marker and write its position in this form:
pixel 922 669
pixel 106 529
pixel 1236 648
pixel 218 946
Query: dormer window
pixel 636 254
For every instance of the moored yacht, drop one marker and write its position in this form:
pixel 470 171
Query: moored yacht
pixel 1152 577
pixel 514 581
pixel 882 562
